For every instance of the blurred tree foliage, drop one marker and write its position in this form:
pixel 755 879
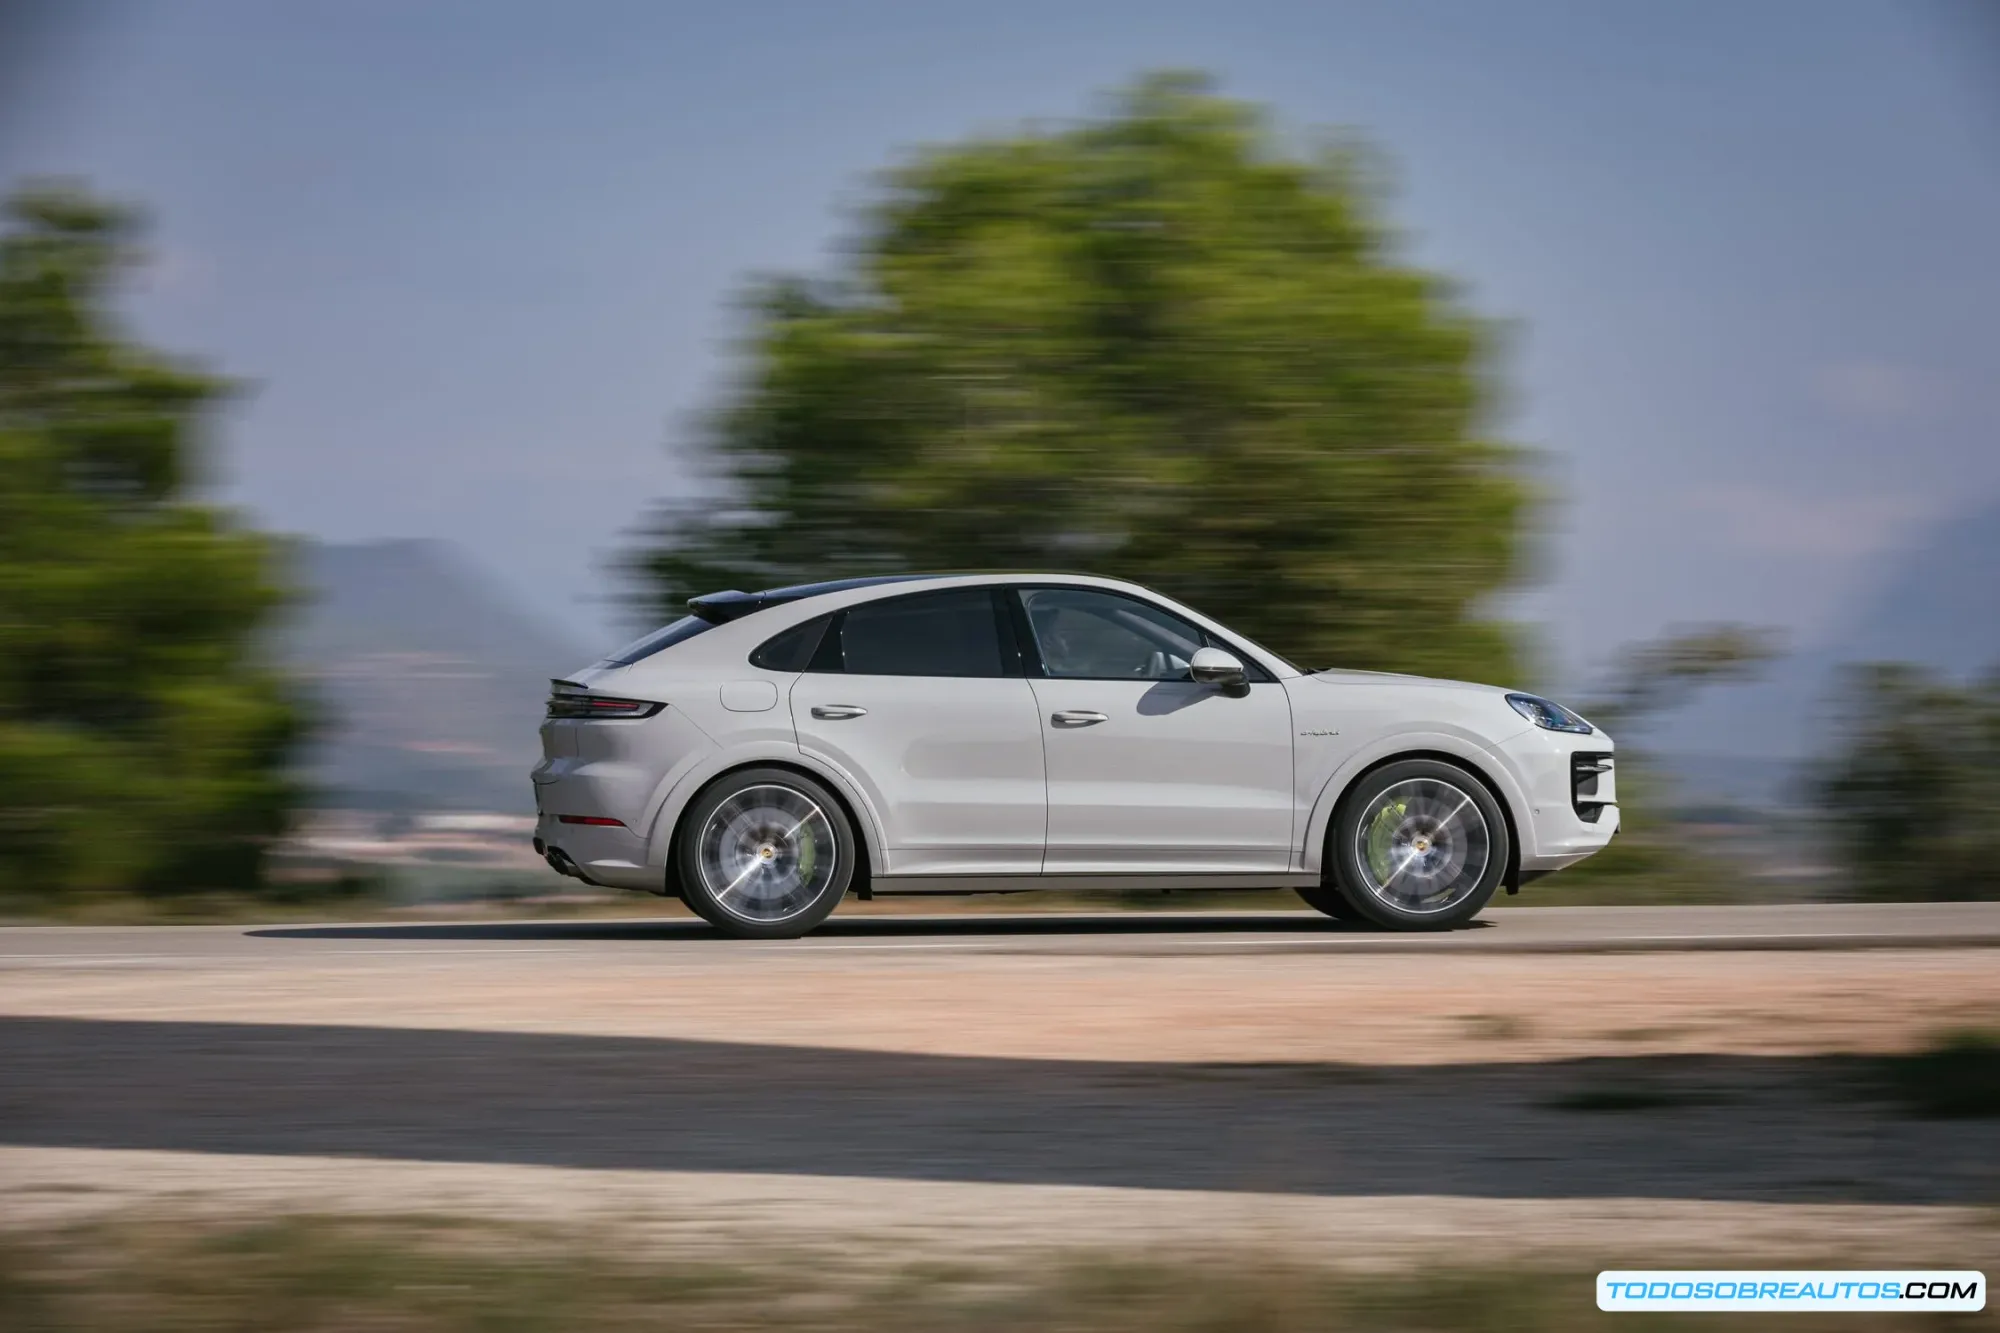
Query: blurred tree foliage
pixel 1914 793
pixel 142 743
pixel 1651 677
pixel 1151 346
pixel 1652 859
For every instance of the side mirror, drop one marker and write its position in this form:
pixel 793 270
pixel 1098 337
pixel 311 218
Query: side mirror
pixel 1212 666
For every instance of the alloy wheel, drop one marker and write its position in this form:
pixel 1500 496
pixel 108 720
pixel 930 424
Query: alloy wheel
pixel 767 853
pixel 1423 846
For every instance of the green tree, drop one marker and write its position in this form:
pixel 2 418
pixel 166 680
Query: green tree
pixel 1913 793
pixel 1653 858
pixel 1152 346
pixel 142 741
pixel 1650 677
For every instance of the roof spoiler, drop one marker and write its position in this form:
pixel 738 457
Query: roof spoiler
pixel 719 608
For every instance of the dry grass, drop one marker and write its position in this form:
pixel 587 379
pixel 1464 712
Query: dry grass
pixel 1956 1076
pixel 417 1276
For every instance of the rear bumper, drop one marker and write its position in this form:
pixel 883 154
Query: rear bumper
pixel 611 770
pixel 612 857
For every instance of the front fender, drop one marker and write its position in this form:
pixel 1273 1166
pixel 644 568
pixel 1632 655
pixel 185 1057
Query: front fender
pixel 1473 751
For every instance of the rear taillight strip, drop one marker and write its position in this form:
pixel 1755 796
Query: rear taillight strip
pixel 600 705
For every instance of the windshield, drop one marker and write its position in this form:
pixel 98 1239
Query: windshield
pixel 666 637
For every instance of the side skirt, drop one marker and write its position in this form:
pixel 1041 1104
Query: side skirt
pixel 885 885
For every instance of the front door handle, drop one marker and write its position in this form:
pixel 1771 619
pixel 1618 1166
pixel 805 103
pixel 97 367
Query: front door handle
pixel 837 712
pixel 1077 717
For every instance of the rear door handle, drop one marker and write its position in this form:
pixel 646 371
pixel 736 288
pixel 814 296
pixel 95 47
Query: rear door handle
pixel 837 712
pixel 1077 717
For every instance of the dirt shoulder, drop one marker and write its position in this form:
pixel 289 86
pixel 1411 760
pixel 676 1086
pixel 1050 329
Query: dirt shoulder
pixel 1386 1010
pixel 1627 1105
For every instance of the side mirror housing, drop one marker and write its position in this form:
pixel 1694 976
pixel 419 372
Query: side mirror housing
pixel 1212 666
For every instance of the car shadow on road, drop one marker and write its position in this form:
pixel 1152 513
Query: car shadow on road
pixel 857 927
pixel 1771 1129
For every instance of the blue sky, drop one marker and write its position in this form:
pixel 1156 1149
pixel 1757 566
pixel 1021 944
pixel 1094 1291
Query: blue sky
pixel 477 260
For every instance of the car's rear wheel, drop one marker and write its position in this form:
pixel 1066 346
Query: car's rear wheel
pixel 1419 844
pixel 765 854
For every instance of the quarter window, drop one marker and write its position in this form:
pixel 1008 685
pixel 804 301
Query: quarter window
pixel 791 650
pixel 952 633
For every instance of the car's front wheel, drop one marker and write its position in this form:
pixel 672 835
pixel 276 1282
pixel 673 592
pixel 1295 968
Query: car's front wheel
pixel 765 854
pixel 1419 844
pixel 1324 897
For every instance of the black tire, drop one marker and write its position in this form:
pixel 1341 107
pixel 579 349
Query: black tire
pixel 1324 897
pixel 765 854
pixel 1423 816
pixel 699 909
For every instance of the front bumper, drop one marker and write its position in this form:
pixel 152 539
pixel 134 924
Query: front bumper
pixel 1570 784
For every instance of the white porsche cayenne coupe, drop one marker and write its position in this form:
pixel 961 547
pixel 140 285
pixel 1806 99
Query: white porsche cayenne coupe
pixel 772 752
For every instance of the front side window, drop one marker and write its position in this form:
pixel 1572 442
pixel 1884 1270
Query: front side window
pixel 1084 634
pixel 952 633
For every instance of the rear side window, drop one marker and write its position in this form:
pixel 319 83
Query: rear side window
pixel 666 637
pixel 791 650
pixel 954 633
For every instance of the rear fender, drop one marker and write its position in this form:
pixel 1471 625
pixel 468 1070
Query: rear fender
pixel 682 785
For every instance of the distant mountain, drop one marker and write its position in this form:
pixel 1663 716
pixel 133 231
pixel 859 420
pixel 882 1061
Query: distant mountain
pixel 432 679
pixel 1938 606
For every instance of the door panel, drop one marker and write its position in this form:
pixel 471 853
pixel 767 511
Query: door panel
pixel 952 766
pixel 914 697
pixel 1177 777
pixel 1150 771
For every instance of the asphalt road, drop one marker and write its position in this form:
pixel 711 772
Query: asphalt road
pixel 1551 930
pixel 1552 1061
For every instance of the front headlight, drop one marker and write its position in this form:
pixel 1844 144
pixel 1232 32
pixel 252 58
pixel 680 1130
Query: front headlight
pixel 1548 715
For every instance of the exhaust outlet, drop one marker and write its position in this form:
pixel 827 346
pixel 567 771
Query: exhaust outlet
pixel 565 865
